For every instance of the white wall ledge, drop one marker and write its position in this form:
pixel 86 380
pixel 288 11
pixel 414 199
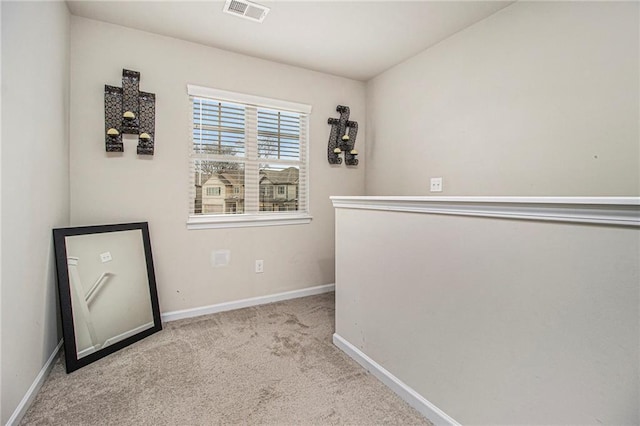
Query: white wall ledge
pixel 620 211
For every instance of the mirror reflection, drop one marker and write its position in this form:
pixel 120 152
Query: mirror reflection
pixel 109 288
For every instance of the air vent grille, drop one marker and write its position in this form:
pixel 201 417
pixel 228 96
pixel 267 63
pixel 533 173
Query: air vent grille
pixel 237 7
pixel 246 9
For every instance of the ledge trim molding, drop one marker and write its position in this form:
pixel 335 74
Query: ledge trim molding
pixel 245 303
pixel 413 398
pixel 619 211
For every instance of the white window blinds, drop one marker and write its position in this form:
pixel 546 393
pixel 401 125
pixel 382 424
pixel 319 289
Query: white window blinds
pixel 218 127
pixel 253 150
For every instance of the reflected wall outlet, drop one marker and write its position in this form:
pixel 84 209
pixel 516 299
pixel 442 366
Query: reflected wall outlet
pixel 106 257
pixel 259 266
pixel 436 184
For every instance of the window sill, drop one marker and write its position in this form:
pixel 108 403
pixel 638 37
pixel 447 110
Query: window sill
pixel 246 220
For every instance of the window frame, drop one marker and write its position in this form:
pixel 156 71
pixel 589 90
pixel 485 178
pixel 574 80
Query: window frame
pixel 268 218
pixel 213 191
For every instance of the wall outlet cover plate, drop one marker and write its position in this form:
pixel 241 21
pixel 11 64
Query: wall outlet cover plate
pixel 436 184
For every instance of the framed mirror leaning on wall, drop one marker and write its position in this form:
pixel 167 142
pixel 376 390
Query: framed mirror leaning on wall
pixel 107 287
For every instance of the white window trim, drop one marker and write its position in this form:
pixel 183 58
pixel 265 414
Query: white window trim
pixel 259 219
pixel 246 220
pixel 234 97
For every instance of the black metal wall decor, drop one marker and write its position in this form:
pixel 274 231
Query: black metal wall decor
pixel 342 138
pixel 128 110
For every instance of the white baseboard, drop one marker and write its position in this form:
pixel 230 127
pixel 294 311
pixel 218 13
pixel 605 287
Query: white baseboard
pixel 87 351
pixel 413 398
pixel 28 398
pixel 245 303
pixel 129 333
pixel 114 339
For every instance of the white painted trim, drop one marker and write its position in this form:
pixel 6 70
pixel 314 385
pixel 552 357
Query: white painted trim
pixel 28 398
pixel 244 303
pixel 243 98
pixel 114 339
pixel 245 220
pixel 413 398
pixel 87 351
pixel 623 211
pixel 126 334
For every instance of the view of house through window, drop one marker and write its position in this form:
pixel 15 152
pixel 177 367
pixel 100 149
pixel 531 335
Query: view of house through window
pixel 219 187
pixel 247 158
pixel 285 198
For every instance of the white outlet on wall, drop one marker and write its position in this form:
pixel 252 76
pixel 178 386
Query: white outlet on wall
pixel 106 257
pixel 259 266
pixel 436 184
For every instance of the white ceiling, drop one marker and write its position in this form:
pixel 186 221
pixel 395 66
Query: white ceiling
pixel 354 39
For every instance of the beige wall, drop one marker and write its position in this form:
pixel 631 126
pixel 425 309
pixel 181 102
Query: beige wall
pixel 539 99
pixel 111 188
pixel 35 186
pixel 496 321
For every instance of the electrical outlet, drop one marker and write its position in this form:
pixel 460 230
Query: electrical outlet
pixel 106 257
pixel 259 266
pixel 436 184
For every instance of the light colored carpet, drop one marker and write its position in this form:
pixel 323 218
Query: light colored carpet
pixel 271 364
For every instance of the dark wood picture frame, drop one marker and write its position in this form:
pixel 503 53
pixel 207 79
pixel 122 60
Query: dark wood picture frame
pixel 73 362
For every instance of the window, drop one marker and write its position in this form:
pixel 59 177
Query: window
pixel 242 147
pixel 213 191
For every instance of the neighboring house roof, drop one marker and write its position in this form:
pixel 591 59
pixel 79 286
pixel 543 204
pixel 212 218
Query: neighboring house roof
pixel 288 176
pixel 213 180
pixel 232 178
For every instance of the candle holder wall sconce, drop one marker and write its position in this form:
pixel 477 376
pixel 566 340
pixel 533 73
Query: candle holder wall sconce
pixel 127 110
pixel 342 138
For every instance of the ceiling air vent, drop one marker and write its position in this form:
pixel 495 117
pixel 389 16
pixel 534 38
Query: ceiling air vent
pixel 246 9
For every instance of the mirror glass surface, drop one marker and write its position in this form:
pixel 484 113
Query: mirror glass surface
pixel 107 289
pixel 110 297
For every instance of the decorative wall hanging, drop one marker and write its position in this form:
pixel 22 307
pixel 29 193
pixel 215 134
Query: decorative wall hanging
pixel 130 111
pixel 342 138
